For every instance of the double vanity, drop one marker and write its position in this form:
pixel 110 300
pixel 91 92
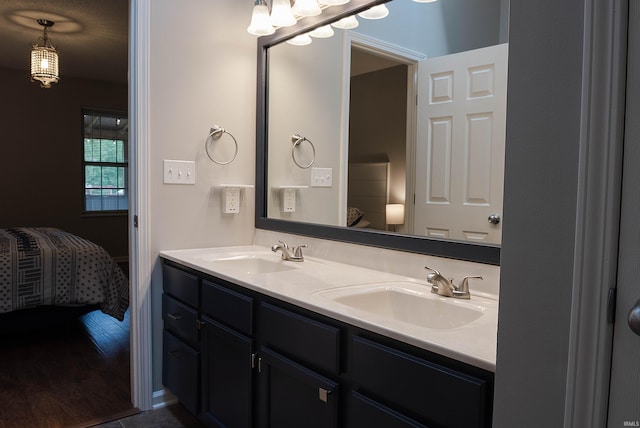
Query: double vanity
pixel 251 339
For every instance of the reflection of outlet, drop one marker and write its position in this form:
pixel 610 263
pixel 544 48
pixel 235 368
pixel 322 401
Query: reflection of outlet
pixel 321 177
pixel 288 198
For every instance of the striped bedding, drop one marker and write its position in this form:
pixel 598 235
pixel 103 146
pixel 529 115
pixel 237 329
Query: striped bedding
pixel 47 266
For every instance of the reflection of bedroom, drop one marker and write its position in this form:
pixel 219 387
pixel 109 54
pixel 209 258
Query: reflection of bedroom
pixel 44 151
pixel 377 154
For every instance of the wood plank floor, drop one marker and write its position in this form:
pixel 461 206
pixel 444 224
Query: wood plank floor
pixel 72 375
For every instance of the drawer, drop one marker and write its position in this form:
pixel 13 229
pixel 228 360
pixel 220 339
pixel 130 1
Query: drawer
pixel 180 284
pixel 180 320
pixel 365 412
pixel 180 371
pixel 227 306
pixel 299 337
pixel 437 394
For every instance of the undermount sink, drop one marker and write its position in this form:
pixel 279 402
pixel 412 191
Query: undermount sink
pixel 249 263
pixel 406 302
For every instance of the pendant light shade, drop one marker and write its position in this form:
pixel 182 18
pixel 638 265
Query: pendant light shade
pixel 323 32
pixel 306 8
pixel 260 21
pixel 334 2
pixel 281 15
pixel 347 23
pixel 376 12
pixel 300 40
pixel 44 59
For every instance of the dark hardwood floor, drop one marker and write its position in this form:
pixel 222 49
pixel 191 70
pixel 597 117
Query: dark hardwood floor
pixel 71 375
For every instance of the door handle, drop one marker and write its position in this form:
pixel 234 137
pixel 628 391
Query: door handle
pixel 634 318
pixel 494 219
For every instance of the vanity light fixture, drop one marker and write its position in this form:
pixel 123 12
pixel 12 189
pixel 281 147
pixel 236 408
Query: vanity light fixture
pixel 323 32
pixel 376 12
pixel 260 20
pixel 44 58
pixel 300 40
pixel 305 8
pixel 281 15
pixel 334 2
pixel 347 23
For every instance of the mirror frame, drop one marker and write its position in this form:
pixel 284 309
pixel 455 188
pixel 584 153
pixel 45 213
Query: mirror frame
pixel 461 250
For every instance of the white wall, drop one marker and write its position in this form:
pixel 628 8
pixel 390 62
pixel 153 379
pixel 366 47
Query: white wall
pixel 203 72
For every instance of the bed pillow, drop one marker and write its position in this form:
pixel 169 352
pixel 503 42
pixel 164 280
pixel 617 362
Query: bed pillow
pixel 354 215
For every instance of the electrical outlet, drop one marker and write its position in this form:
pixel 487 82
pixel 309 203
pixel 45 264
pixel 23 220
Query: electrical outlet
pixel 231 200
pixel 179 172
pixel 321 177
pixel 288 198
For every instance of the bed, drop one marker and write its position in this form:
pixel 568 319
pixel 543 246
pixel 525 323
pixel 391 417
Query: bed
pixel 48 267
pixel 368 194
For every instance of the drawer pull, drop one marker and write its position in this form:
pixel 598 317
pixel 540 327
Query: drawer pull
pixel 323 394
pixel 174 317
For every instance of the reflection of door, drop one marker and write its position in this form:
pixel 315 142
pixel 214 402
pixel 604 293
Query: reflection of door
pixel 624 395
pixel 460 149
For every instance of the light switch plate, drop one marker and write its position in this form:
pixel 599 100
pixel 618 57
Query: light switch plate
pixel 321 177
pixel 179 172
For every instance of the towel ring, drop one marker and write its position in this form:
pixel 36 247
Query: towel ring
pixel 296 139
pixel 215 134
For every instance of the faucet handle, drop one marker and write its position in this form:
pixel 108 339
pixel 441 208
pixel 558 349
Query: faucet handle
pixel 298 250
pixel 464 287
pixel 284 244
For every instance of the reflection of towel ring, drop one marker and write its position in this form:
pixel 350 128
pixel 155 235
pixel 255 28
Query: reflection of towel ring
pixel 215 134
pixel 296 139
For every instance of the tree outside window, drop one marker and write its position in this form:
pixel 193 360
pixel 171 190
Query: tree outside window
pixel 105 139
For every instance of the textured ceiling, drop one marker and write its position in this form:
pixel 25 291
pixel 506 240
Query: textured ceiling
pixel 90 35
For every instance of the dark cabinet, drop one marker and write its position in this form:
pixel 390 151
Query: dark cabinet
pixel 293 396
pixel 180 346
pixel 238 358
pixel 226 376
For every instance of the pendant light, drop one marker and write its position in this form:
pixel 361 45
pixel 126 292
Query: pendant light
pixel 44 58
pixel 375 12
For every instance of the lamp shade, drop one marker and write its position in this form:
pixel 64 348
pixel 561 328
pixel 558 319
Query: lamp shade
pixel 281 15
pixel 322 32
pixel 306 8
pixel 376 12
pixel 300 40
pixel 395 213
pixel 346 23
pixel 260 21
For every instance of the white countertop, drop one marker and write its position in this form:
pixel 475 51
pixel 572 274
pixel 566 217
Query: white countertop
pixel 299 283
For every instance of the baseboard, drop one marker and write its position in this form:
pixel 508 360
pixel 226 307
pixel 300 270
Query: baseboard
pixel 163 398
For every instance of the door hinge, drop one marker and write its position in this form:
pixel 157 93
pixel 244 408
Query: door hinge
pixel 199 324
pixel 611 306
pixel 135 221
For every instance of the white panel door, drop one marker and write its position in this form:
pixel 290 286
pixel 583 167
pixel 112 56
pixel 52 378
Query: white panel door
pixel 460 145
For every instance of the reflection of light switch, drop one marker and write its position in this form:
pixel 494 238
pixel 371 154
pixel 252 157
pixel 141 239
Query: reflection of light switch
pixel 230 200
pixel 288 198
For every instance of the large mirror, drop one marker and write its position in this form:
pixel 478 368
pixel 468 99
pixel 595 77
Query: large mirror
pixel 344 150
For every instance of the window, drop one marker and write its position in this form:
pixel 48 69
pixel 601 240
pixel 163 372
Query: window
pixel 105 161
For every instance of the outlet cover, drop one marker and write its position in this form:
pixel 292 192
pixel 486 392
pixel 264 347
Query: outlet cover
pixel 288 199
pixel 179 172
pixel 321 177
pixel 231 200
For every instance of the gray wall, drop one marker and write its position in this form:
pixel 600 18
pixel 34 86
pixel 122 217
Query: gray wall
pixel 543 132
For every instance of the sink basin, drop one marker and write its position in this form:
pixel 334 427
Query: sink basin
pixel 406 302
pixel 248 263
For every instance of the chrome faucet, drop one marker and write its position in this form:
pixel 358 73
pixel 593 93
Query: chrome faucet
pixel 288 253
pixel 445 287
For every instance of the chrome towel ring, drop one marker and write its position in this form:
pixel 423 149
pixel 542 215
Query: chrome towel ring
pixel 215 134
pixel 297 139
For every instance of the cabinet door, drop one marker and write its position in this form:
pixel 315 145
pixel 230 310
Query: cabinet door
pixel 180 371
pixel 365 412
pixel 294 396
pixel 227 377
